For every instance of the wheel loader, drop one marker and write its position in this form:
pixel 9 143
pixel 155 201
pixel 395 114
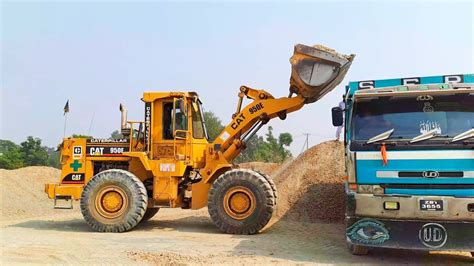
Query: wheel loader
pixel 167 161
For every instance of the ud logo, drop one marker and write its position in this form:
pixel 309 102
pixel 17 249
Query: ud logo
pixel 433 235
pixel 424 98
pixel 430 174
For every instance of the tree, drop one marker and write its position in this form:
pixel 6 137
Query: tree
pixel 269 149
pixel 80 136
pixel 116 135
pixel 32 152
pixel 10 157
pixel 213 125
pixel 53 157
pixel 249 154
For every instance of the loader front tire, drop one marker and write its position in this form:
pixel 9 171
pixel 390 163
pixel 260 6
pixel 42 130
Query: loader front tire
pixel 241 202
pixel 114 201
pixel 149 213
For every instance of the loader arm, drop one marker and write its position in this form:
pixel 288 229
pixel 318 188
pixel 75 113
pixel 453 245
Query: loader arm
pixel 316 71
pixel 246 122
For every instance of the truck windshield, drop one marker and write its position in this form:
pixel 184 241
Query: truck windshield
pixel 412 116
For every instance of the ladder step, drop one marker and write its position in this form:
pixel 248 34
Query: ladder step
pixel 65 199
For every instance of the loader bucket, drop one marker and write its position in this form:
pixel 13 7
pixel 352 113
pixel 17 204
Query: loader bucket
pixel 316 70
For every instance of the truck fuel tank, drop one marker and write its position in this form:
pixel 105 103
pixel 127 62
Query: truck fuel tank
pixel 316 70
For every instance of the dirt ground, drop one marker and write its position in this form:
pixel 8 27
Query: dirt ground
pixel 306 229
pixel 188 237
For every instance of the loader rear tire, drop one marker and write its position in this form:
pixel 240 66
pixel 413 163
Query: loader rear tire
pixel 149 213
pixel 114 201
pixel 241 202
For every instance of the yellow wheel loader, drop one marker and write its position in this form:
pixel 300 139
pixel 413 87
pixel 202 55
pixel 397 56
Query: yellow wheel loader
pixel 166 161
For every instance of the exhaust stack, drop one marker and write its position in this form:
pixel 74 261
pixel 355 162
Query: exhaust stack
pixel 123 121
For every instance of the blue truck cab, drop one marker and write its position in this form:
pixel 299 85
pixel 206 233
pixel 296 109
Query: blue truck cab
pixel 409 146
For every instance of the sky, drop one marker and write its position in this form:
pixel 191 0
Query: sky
pixel 101 54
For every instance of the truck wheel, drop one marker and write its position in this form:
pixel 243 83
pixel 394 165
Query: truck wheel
pixel 149 213
pixel 357 250
pixel 241 201
pixel 113 201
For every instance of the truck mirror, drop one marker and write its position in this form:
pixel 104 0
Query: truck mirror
pixel 337 119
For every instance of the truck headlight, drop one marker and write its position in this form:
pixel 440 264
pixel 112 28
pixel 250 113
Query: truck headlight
pixel 365 189
pixel 378 190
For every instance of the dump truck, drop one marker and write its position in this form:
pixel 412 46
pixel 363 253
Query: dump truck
pixel 409 146
pixel 167 160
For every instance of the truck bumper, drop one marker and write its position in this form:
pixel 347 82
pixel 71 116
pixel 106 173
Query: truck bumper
pixel 410 234
pixel 368 223
pixel 55 190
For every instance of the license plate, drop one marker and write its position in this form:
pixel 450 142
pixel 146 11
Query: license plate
pixel 431 205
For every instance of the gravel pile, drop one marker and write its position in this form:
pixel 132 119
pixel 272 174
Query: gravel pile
pixel 310 187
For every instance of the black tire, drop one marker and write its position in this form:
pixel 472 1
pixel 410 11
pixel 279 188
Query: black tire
pixel 132 194
pixel 472 254
pixel 357 250
pixel 149 213
pixel 272 184
pixel 261 206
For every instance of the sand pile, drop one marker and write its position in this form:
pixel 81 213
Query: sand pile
pixel 266 168
pixel 310 188
pixel 22 192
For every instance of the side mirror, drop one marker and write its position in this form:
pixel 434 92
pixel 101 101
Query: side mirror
pixel 337 119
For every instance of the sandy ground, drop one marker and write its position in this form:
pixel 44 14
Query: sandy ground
pixel 177 236
pixel 307 228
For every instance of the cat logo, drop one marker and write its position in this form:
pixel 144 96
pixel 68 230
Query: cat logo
pixel 97 151
pixel 77 152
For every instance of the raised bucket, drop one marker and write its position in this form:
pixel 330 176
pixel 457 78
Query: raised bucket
pixel 316 70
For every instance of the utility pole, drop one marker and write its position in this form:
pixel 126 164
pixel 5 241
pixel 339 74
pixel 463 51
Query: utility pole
pixel 306 142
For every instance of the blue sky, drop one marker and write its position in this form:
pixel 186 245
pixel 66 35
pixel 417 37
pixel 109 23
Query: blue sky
pixel 98 55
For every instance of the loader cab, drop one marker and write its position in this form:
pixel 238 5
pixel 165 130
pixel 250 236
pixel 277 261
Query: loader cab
pixel 174 128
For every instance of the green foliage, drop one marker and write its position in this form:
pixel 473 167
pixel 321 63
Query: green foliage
pixel 272 149
pixel 28 153
pixel 32 152
pixel 80 136
pixel 116 135
pixel 53 157
pixel 10 157
pixel 268 149
pixel 213 125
